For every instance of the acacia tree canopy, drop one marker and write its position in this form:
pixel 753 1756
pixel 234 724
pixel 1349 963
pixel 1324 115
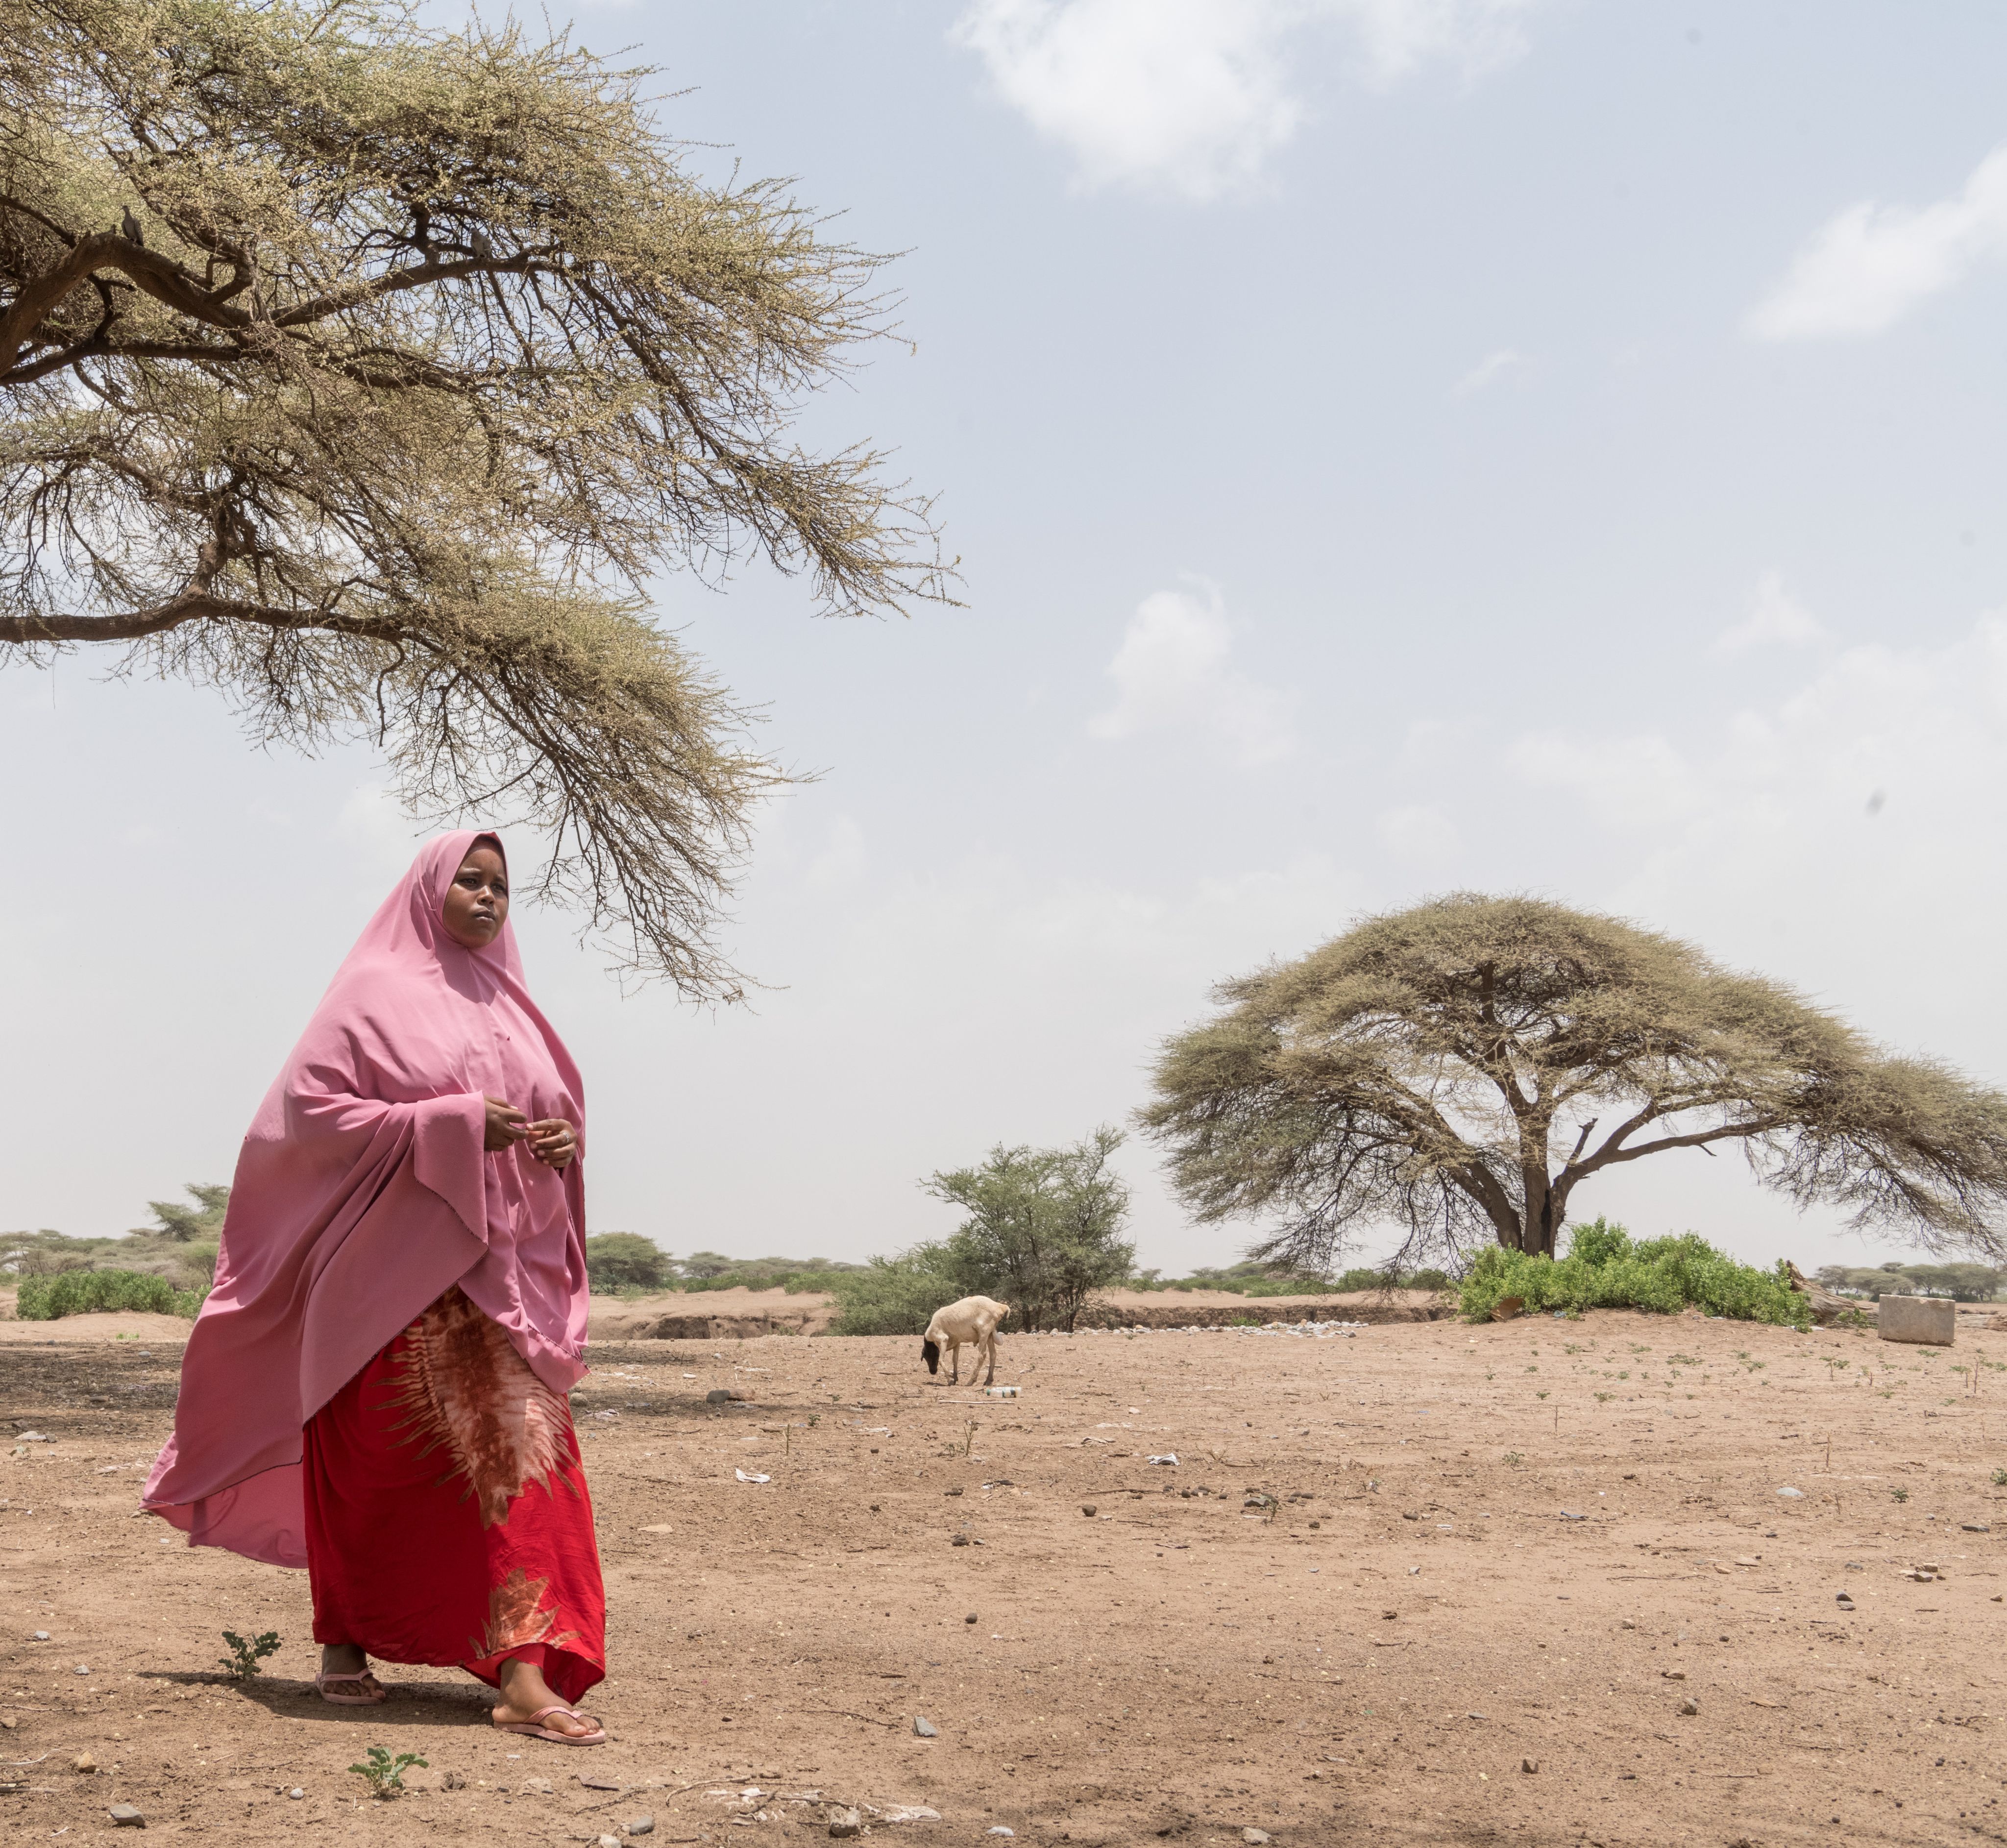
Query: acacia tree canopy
pixel 370 373
pixel 1459 1069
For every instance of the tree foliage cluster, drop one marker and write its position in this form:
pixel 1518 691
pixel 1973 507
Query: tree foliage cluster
pixel 51 1295
pixel 1606 1268
pixel 625 1261
pixel 1459 1069
pixel 1042 1231
pixel 374 373
pixel 181 1245
pixel 1252 1278
pixel 1963 1282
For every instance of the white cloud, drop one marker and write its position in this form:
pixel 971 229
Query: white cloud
pixel 1873 264
pixel 1171 673
pixel 1489 370
pixel 1193 96
pixel 1773 615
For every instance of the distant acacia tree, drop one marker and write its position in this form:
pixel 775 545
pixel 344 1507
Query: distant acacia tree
pixel 1043 1230
pixel 369 372
pixel 187 1224
pixel 1459 1069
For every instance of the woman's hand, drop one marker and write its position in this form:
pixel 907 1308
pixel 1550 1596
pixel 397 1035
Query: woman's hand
pixel 507 1126
pixel 553 1142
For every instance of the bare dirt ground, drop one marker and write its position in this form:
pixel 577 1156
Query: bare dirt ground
pixel 1527 1543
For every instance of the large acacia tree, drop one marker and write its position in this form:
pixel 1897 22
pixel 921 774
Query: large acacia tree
pixel 371 372
pixel 1461 1068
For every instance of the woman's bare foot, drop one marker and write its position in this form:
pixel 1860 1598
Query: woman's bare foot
pixel 525 1692
pixel 348 1658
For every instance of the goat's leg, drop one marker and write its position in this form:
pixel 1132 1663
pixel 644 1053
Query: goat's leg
pixel 954 1361
pixel 990 1343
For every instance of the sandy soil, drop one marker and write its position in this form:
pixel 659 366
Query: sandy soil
pixel 1374 1657
pixel 735 1315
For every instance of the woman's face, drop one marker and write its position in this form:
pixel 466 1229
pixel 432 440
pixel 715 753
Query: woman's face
pixel 477 902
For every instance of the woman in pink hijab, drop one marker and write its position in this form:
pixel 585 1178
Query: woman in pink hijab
pixel 377 1388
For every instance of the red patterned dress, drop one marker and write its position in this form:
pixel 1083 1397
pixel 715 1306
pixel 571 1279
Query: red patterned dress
pixel 447 1518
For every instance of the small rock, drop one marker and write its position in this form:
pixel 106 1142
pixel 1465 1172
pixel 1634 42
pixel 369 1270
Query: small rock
pixel 641 1825
pixel 1567 1514
pixel 1688 1707
pixel 84 1762
pixel 970 1618
pixel 924 1728
pixel 83 1668
pixel 40 1636
pixel 950 1491
pixel 123 1816
pixel 717 1396
pixel 608 1842
pixel 1390 1615
pixel 961 1539
pixel 1627 1624
pixel 1673 1674
pixel 997 1828
pixel 842 1821
pixel 1254 1838
pixel 296 1792
pixel 1088 1510
pixel 596 1782
pixel 1792 1494
pixel 1845 1598
pixel 453 1780
pixel 1530 1765
pixel 1975 1527
pixel 908 1812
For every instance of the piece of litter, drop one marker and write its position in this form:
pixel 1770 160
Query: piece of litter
pixel 1170 1457
pixel 1567 1516
pixel 999 1392
pixel 997 1828
pixel 744 1478
pixel 1791 1494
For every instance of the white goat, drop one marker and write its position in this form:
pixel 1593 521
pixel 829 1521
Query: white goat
pixel 973 1320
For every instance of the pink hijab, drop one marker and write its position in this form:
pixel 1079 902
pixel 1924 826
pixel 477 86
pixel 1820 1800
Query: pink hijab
pixel 362 1193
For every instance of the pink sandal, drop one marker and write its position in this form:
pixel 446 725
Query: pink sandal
pixel 325 1682
pixel 531 1728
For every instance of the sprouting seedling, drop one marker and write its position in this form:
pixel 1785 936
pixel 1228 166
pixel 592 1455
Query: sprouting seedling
pixel 968 1431
pixel 1899 1494
pixel 243 1657
pixel 384 1775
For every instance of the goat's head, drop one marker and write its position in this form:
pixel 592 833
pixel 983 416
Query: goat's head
pixel 930 1353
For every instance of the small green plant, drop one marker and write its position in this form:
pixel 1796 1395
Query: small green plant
pixel 2000 1479
pixel 1604 1399
pixel 243 1657
pixel 1514 1459
pixel 1899 1494
pixel 383 1774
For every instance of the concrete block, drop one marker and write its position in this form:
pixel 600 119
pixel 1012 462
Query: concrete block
pixel 1929 1321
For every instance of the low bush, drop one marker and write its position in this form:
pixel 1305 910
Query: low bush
pixel 1605 1268
pixel 896 1295
pixel 45 1298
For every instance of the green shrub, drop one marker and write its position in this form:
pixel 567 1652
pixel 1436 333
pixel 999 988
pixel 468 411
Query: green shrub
pixel 616 1260
pixel 94 1292
pixel 897 1295
pixel 1605 1268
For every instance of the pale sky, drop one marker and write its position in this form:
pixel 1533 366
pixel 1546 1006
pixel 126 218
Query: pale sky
pixel 1393 446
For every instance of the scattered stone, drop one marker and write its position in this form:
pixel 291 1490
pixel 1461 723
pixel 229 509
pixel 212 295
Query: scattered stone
pixel 1627 1624
pixel 1790 1493
pixel 596 1782
pixel 123 1816
pixel 1088 1509
pixel 1845 1598
pixel 970 1618
pixel 296 1792
pixel 1255 1838
pixel 1390 1615
pixel 642 1825
pixel 1673 1674
pixel 607 1842
pixel 907 1812
pixel 84 1762
pixel 961 1539
pixel 924 1728
pixel 997 1828
pixel 1975 1527
pixel 950 1491
pixel 83 1668
pixel 1567 1515
pixel 1529 1766
pixel 717 1396
pixel 842 1820
pixel 1688 1708
pixel 40 1636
